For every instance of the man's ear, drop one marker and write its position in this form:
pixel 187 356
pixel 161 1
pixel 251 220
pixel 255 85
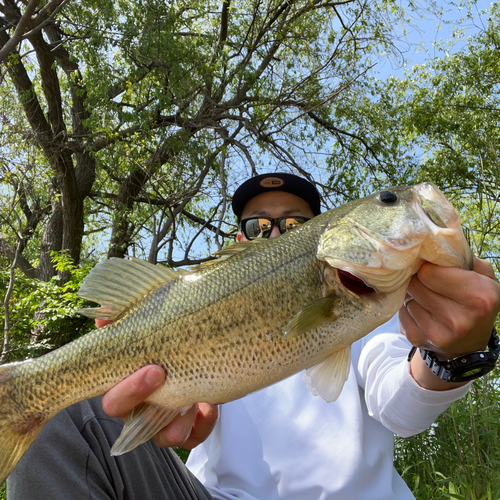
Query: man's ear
pixel 239 237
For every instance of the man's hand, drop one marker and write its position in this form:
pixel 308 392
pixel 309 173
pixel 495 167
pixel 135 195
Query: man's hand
pixel 452 313
pixel 188 430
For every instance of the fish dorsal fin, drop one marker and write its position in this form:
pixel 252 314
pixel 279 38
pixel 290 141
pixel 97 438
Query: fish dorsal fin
pixel 117 283
pixel 231 250
pixel 312 316
pixel 326 379
pixel 225 253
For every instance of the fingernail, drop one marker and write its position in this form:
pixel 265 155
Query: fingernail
pixel 154 376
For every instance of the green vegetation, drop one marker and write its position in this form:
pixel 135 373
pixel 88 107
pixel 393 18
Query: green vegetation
pixel 459 457
pixel 125 127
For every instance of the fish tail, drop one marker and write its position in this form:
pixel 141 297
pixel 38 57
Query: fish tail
pixel 17 432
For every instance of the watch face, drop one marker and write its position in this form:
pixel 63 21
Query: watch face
pixel 463 368
pixel 476 367
pixel 471 374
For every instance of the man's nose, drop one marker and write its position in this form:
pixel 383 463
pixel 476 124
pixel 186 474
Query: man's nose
pixel 274 232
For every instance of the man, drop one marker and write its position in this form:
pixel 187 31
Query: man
pixel 280 442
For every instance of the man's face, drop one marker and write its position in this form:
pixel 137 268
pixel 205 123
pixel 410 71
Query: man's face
pixel 275 204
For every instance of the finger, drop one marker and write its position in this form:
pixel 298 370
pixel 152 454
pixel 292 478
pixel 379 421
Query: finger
pixel 411 328
pixel 436 319
pixel 460 285
pixel 483 267
pixel 458 298
pixel 102 322
pixel 204 423
pixel 128 393
pixel 448 328
pixel 177 431
pixel 445 281
pixel 423 330
pixel 426 297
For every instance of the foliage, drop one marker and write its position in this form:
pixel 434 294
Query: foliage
pixel 459 456
pixel 137 115
pixel 49 305
pixel 125 125
pixel 439 123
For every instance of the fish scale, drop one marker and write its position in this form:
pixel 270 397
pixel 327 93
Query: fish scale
pixel 260 313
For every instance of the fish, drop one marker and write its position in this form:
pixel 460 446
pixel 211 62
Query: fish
pixel 262 311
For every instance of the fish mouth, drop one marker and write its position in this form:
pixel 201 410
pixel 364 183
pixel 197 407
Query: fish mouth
pixel 354 284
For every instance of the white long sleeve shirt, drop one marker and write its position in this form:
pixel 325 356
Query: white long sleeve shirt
pixel 284 443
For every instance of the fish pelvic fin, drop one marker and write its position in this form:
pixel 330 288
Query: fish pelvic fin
pixel 16 432
pixel 118 283
pixel 327 378
pixel 142 423
pixel 312 316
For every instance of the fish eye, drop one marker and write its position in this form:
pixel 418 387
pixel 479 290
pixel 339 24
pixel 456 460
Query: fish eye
pixel 388 197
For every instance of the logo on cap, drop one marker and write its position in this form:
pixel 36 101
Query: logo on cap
pixel 272 182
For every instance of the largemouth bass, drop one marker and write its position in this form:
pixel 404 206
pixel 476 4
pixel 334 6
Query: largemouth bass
pixel 268 310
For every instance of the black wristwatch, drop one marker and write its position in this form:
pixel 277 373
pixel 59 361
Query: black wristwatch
pixel 464 368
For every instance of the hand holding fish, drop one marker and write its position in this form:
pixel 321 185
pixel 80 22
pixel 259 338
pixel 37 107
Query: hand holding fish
pixel 188 430
pixel 452 313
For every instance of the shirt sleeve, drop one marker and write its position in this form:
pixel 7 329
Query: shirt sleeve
pixel 392 395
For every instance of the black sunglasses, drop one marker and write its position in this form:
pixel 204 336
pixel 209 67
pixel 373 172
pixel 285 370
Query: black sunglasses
pixel 261 227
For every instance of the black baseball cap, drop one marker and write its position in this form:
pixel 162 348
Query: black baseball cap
pixel 289 183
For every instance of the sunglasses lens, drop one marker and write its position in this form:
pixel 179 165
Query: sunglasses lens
pixel 257 228
pixel 261 228
pixel 290 223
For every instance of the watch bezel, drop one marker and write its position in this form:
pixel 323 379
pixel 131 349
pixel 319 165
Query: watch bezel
pixel 463 368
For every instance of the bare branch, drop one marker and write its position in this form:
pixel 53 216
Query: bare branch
pixel 6 303
pixel 27 25
pixel 21 263
pixel 18 35
pixel 206 224
pixel 153 254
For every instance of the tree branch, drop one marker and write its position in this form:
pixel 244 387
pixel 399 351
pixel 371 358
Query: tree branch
pixel 11 44
pixel 21 263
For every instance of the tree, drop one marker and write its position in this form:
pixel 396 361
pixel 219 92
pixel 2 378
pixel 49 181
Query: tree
pixel 440 123
pixel 125 124
pixel 126 100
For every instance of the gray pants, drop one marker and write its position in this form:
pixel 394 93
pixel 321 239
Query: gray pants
pixel 70 460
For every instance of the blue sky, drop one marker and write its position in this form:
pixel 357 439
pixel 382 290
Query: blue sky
pixel 432 32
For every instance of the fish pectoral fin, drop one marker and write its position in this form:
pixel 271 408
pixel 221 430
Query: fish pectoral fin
pixel 312 316
pixel 142 423
pixel 118 283
pixel 327 378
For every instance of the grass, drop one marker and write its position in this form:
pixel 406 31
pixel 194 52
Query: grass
pixel 459 456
